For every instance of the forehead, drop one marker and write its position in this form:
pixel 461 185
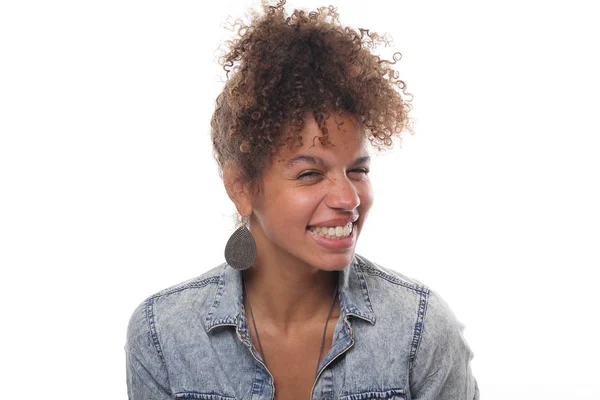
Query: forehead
pixel 345 136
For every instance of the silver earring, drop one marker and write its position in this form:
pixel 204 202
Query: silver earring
pixel 240 250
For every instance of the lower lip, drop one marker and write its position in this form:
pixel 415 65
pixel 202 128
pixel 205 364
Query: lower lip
pixel 335 244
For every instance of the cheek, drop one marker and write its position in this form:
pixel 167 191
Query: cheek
pixel 292 207
pixel 302 205
pixel 366 197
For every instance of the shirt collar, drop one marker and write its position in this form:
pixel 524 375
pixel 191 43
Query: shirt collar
pixel 226 309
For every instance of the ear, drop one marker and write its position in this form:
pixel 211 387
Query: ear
pixel 237 189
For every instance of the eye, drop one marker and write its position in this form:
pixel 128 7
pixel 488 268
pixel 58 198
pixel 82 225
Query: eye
pixel 359 174
pixel 314 174
pixel 309 175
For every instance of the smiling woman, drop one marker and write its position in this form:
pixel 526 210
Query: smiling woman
pixel 305 189
pixel 294 312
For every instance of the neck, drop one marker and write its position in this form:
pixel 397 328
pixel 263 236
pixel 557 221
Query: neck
pixel 288 297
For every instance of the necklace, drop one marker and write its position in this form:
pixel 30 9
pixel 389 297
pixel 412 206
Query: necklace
pixel 324 329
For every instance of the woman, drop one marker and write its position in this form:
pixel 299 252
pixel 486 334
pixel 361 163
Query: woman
pixel 294 313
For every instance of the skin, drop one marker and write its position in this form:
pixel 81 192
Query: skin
pixel 292 283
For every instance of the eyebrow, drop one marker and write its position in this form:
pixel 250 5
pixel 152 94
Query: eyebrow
pixel 303 158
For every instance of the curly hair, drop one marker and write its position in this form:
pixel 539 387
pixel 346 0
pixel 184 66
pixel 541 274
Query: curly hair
pixel 282 68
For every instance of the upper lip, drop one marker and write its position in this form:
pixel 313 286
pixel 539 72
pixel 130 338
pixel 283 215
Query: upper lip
pixel 337 221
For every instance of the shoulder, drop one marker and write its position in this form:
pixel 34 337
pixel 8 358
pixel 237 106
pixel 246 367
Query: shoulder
pixel 210 277
pixel 173 302
pixel 389 277
pixel 433 322
pixel 392 286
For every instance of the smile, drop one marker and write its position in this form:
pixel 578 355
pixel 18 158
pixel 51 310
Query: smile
pixel 333 232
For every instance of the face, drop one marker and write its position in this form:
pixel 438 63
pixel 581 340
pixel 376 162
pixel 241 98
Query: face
pixel 315 199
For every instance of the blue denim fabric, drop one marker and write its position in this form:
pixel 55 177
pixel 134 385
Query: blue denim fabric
pixel 395 339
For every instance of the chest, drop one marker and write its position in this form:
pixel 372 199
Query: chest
pixel 359 361
pixel 293 360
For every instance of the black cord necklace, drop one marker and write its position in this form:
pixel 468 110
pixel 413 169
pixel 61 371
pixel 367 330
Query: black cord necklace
pixel 324 329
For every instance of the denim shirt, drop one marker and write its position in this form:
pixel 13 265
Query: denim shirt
pixel 395 339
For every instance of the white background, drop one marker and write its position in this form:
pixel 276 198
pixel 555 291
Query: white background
pixel 109 191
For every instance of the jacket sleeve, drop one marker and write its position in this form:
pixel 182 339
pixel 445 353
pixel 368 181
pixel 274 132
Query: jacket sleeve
pixel 441 369
pixel 146 372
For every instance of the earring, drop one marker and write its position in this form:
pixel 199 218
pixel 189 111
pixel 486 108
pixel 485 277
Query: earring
pixel 240 250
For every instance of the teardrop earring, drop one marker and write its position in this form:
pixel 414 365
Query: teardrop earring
pixel 240 250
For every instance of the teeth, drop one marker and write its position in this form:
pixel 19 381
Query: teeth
pixel 332 231
pixel 347 229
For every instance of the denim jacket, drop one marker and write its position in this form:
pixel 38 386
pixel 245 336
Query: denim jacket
pixel 395 339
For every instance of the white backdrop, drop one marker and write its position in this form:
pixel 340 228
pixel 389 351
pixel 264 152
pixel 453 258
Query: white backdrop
pixel 109 191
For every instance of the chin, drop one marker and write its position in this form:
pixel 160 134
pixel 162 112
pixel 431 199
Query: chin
pixel 336 262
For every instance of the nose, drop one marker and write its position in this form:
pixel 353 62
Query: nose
pixel 343 194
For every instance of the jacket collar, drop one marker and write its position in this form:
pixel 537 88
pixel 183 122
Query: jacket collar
pixel 226 309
